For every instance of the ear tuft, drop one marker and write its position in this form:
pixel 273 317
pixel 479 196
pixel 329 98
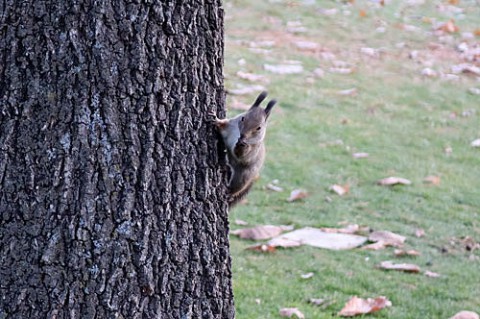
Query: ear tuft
pixel 269 107
pixel 260 99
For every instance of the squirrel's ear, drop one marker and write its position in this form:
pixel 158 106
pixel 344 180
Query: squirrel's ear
pixel 259 99
pixel 269 107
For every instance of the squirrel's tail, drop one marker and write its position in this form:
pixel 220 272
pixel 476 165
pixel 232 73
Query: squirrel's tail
pixel 234 199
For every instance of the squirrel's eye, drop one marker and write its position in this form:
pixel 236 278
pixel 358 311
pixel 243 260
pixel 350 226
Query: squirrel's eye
pixel 243 118
pixel 259 128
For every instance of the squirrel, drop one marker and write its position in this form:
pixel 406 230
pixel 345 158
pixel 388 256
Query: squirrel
pixel 243 136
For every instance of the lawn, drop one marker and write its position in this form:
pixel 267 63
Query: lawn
pixel 397 81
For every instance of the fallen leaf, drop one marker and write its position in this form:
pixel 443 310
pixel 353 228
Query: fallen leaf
pixel 297 194
pixel 466 68
pixel 429 73
pixel 252 77
pixel 246 90
pixel 390 181
pixel 360 155
pixel 306 45
pixel 477 32
pixel 419 232
pixel 349 229
pixel 432 274
pixel 375 53
pixel 307 275
pixel 317 238
pixel 263 248
pixel 341 70
pixel 289 312
pixel 339 189
pixel 362 13
pixel 449 27
pixel 348 92
pixel 466 315
pixel 284 242
pixel 475 143
pixel 401 252
pixel 240 222
pixel 432 180
pixel 261 232
pixel 474 91
pixel 358 306
pixel 320 302
pixel 388 265
pixel 284 68
pixel 384 239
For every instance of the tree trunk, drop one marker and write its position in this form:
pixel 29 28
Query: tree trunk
pixel 111 184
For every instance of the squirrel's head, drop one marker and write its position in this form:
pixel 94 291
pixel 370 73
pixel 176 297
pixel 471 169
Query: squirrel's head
pixel 253 123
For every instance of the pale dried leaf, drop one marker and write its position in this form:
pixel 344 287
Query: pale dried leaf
pixel 475 143
pixel 273 187
pixel 401 252
pixel 341 70
pixel 240 222
pixel 252 77
pixel 474 91
pixel 263 248
pixel 387 238
pixel 388 265
pixel 348 92
pixel 349 229
pixel 419 232
pixel 358 306
pixel 429 73
pixel 317 238
pixel 466 315
pixel 339 189
pixel 432 274
pixel 261 232
pixel 284 68
pixel 291 312
pixel 284 242
pixel 306 45
pixel 307 275
pixel 375 246
pixel 243 90
pixel 319 72
pixel 317 301
pixel 360 155
pixel 297 194
pixel 375 53
pixel 432 180
pixel 390 181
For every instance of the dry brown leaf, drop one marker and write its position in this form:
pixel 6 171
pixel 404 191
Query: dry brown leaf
pixel 466 315
pixel 348 92
pixel 284 68
pixel 453 2
pixel 432 274
pixel 387 237
pixel 449 27
pixel 343 70
pixel 261 232
pixel 263 248
pixel 358 306
pixel 360 155
pixel 340 189
pixel 388 265
pixel 290 312
pixel 307 275
pixel 297 194
pixel 432 180
pixel 477 32
pixel 390 181
pixel 375 246
pixel 362 13
pixel 475 143
pixel 284 242
pixel 252 77
pixel 240 222
pixel 349 229
pixel 243 90
pixel 401 252
pixel 419 232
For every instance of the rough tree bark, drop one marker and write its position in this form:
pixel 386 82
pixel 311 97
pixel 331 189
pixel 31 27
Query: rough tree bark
pixel 111 187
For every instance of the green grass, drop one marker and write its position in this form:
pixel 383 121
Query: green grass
pixel 402 119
